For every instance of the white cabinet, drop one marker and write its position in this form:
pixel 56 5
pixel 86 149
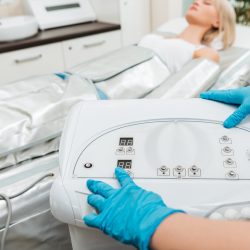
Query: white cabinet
pixel 56 57
pixel 135 18
pixel 24 63
pixel 80 50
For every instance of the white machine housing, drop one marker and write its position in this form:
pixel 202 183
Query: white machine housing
pixel 177 148
pixel 17 28
pixel 58 13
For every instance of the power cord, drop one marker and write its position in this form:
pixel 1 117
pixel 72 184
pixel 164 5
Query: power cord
pixel 7 199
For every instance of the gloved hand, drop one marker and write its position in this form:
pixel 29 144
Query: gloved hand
pixel 239 96
pixel 129 214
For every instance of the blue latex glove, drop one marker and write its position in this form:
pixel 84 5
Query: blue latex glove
pixel 129 214
pixel 239 96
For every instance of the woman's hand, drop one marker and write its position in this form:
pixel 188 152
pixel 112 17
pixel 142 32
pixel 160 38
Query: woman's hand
pixel 129 214
pixel 239 96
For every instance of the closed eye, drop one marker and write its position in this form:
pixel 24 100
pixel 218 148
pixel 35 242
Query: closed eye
pixel 207 2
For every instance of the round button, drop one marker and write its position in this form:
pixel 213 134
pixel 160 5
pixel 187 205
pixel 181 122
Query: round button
pixel 163 168
pixel 227 150
pixel 216 216
pixel 229 161
pixel 88 165
pixel 232 214
pixel 179 168
pixel 231 174
pixel 194 168
pixel 225 138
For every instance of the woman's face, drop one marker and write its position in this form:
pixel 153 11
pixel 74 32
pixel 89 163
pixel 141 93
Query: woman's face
pixel 203 13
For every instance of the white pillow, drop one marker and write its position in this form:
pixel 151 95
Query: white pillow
pixel 176 26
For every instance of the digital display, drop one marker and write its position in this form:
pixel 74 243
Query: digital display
pixel 125 164
pixel 126 141
pixel 63 7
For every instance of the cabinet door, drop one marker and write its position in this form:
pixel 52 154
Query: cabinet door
pixel 80 50
pixel 29 62
pixel 135 20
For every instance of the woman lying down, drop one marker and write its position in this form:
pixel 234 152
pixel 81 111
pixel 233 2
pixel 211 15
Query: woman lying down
pixel 207 20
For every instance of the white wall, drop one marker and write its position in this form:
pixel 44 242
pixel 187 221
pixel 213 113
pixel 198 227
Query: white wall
pixel 135 20
pixel 107 10
pixel 186 4
pixel 133 15
pixel 11 9
pixel 243 36
pixel 164 10
pixel 110 8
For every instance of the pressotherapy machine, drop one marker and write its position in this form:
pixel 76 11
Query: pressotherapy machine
pixel 177 148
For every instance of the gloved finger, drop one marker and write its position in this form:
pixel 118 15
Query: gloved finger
pixel 234 119
pixel 96 201
pixel 91 220
pixel 123 177
pixel 101 188
pixel 231 96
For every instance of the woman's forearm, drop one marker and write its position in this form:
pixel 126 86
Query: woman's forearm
pixel 184 232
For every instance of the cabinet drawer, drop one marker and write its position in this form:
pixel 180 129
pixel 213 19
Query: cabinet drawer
pixel 80 50
pixel 31 62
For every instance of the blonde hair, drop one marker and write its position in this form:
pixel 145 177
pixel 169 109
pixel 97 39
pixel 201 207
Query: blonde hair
pixel 227 21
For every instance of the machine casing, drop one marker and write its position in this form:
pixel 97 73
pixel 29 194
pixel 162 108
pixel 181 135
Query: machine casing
pixel 58 13
pixel 17 28
pixel 177 148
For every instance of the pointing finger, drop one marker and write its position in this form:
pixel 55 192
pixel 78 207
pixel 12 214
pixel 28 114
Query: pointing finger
pixel 123 177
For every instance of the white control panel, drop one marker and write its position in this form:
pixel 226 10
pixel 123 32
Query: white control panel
pixel 168 149
pixel 177 148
